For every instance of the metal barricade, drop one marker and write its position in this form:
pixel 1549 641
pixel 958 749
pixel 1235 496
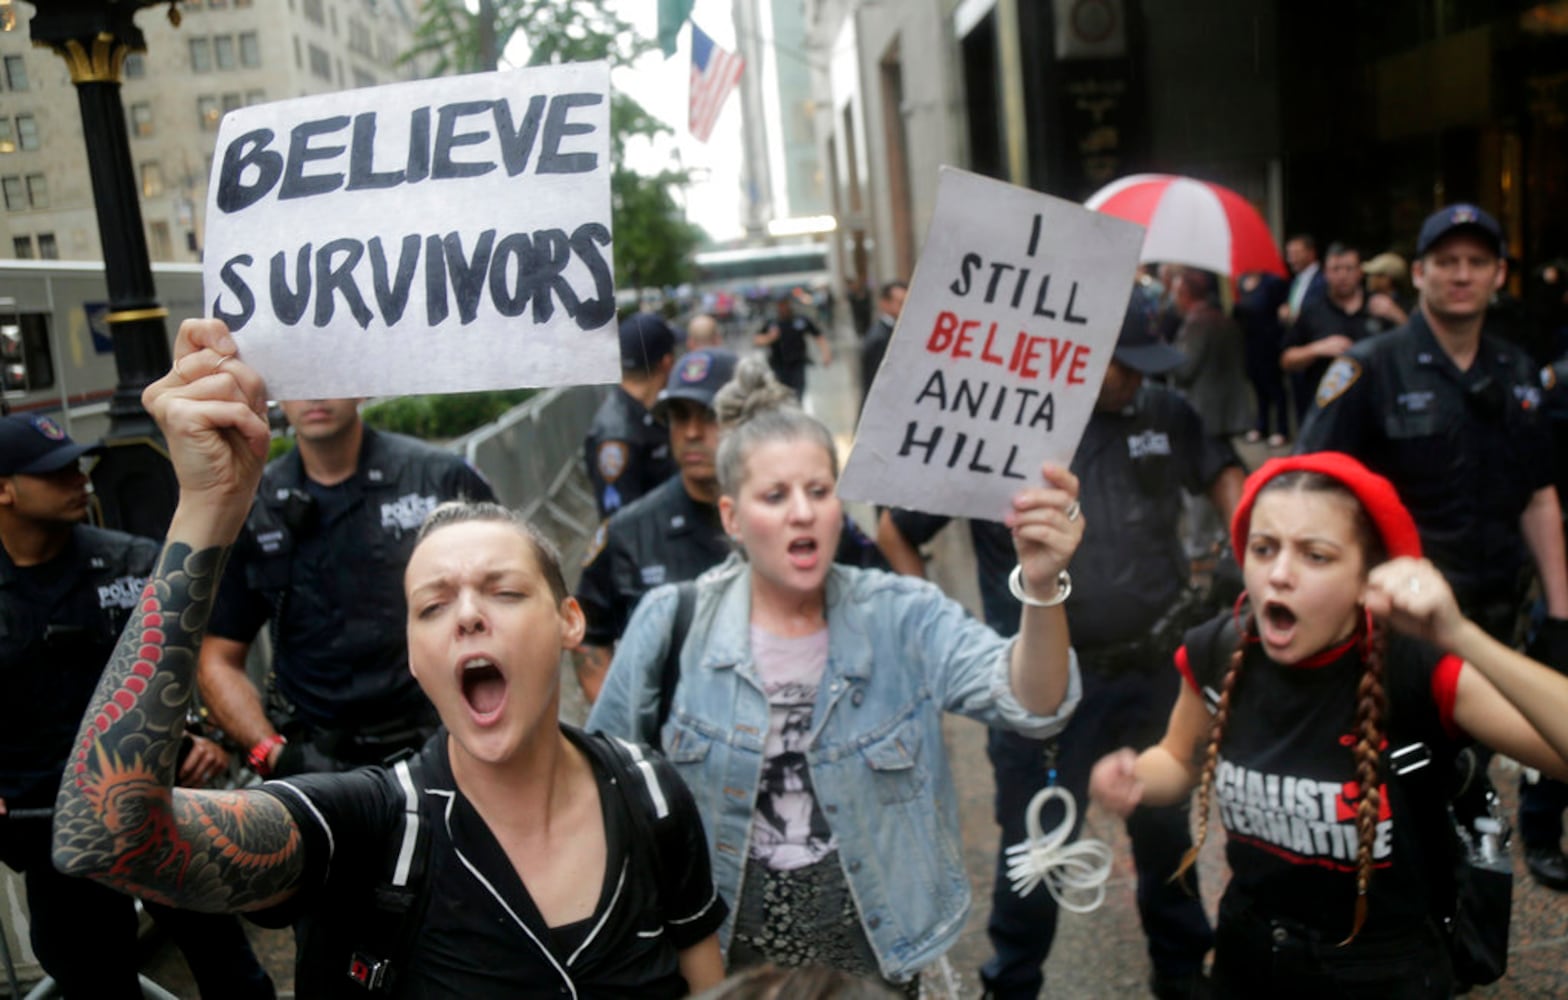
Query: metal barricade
pixel 532 457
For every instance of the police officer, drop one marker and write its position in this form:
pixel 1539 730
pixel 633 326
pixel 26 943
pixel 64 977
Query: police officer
pixel 673 533
pixel 321 558
pixel 785 338
pixel 627 449
pixel 1130 603
pixel 1453 418
pixel 66 590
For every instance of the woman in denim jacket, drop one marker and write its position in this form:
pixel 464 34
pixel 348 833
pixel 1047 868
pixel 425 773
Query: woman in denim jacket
pixel 807 718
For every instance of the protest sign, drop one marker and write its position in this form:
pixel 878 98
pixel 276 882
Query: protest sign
pixel 436 236
pixel 999 352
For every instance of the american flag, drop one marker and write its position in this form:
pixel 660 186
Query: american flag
pixel 714 73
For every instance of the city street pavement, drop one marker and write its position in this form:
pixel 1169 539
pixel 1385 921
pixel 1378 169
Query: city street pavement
pixel 1095 955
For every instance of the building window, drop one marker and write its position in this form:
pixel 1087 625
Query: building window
pixel 23 245
pixel 15 194
pixel 313 12
pixel 7 137
pixel 250 49
pixel 363 79
pixel 159 246
pixel 141 120
pixel 135 66
pixel 359 38
pixel 239 4
pixel 223 52
pixel 207 113
pixel 152 179
pixel 16 72
pixel 320 62
pixel 217 4
pixel 255 97
pixel 48 249
pixel 38 190
pixel 298 62
pixel 201 55
pixel 26 132
pixel 231 102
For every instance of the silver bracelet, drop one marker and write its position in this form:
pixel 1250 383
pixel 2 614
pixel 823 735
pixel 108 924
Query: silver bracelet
pixel 1015 583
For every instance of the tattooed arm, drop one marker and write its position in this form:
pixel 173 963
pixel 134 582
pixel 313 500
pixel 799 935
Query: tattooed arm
pixel 118 818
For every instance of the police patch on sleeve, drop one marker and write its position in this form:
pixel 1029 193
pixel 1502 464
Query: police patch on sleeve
pixel 1341 375
pixel 596 544
pixel 611 460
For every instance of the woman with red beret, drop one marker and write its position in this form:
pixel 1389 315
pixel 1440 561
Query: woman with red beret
pixel 1305 717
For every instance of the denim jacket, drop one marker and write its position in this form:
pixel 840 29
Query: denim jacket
pixel 899 654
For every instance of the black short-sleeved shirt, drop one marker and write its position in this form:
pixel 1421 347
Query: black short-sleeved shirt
pixel 789 351
pixel 1286 784
pixel 481 935
pixel 627 451
pixel 1322 318
pixel 59 623
pixel 668 537
pixel 665 537
pixel 1466 450
pixel 1132 467
pixel 325 566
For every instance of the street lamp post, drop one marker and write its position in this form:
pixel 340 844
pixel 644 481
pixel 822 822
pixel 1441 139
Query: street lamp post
pixel 133 481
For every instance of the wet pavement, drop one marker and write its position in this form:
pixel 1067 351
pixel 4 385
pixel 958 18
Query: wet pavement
pixel 1095 955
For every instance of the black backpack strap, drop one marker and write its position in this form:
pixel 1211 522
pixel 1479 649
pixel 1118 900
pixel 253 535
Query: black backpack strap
pixel 1209 647
pixel 670 670
pixel 636 775
pixel 386 937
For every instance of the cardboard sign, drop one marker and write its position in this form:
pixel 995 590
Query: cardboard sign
pixel 999 352
pixel 438 236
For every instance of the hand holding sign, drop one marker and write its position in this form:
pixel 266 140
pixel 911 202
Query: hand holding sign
pixel 435 236
pixel 999 351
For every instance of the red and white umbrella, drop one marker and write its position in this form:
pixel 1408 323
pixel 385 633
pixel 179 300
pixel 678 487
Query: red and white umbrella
pixel 1192 222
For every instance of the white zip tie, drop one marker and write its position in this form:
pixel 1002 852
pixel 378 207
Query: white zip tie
pixel 1074 874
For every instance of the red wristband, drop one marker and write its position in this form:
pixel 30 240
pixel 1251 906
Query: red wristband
pixel 257 758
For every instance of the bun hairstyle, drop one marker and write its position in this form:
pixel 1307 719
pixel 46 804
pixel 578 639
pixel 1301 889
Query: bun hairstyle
pixel 1385 529
pixel 753 409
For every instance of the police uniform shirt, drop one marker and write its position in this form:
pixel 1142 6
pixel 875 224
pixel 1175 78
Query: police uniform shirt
pixel 325 565
pixel 665 537
pixel 482 935
pixel 1323 318
pixel 1132 466
pixel 668 537
pixel 1466 450
pixel 789 351
pixel 59 622
pixel 627 450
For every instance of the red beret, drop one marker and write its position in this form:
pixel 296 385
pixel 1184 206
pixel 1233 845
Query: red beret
pixel 1389 516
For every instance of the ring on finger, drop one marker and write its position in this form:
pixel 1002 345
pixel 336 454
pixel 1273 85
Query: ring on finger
pixel 1073 510
pixel 1415 585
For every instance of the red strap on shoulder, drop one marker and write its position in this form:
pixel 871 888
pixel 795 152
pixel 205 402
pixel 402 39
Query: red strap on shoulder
pixel 1184 667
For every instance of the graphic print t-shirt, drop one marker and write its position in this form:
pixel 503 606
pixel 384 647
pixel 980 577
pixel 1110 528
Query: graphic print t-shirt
pixel 1286 788
pixel 789 830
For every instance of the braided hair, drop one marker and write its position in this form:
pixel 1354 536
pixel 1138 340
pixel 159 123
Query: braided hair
pixel 1371 702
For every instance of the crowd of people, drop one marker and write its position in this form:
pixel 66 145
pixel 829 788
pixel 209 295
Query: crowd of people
pixel 762 783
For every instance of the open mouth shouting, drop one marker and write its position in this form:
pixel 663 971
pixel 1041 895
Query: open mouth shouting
pixel 1277 623
pixel 484 688
pixel 803 553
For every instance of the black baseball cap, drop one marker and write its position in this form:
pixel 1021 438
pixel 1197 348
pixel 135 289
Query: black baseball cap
pixel 645 341
pixel 1455 217
pixel 698 377
pixel 1138 347
pixel 36 445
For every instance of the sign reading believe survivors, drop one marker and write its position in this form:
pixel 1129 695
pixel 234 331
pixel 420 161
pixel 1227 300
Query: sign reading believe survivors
pixel 436 236
pixel 999 352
